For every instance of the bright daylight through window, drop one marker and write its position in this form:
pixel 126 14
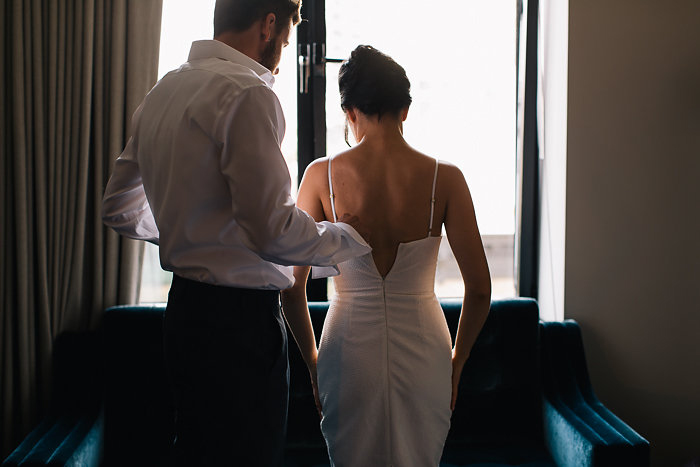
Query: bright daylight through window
pixel 463 84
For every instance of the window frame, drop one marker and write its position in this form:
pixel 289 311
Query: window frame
pixel 527 235
pixel 311 103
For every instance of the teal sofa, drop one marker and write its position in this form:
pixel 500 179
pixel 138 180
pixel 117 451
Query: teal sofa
pixel 525 399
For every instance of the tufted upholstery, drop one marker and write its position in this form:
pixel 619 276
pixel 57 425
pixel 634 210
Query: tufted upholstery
pixel 573 414
pixel 524 399
pixel 71 433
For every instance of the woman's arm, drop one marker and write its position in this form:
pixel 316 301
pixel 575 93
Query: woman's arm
pixel 465 240
pixel 294 302
pixel 296 312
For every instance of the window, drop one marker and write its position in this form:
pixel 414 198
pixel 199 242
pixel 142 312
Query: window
pixel 463 85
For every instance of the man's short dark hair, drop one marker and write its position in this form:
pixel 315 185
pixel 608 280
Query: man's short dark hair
pixel 239 15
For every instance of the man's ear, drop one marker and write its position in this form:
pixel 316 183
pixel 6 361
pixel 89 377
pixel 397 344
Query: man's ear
pixel 267 27
pixel 404 114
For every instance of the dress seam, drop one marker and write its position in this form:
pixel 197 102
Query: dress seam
pixel 388 376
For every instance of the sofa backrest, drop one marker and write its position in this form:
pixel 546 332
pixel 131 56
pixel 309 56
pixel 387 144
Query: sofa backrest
pixel 499 396
pixel 138 406
pixel 75 391
pixel 500 392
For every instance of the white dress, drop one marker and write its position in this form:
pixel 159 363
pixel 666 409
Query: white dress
pixel 384 361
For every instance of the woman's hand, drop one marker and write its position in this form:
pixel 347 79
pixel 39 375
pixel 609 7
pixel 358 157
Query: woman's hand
pixel 314 386
pixel 457 367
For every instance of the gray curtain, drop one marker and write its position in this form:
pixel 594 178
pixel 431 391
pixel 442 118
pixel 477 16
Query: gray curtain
pixel 73 71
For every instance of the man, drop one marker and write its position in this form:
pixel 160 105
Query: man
pixel 203 177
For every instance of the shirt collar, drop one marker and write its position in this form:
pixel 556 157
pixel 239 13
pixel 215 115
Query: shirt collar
pixel 213 48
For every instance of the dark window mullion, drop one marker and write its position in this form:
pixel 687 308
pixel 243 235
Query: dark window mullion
pixel 311 102
pixel 527 231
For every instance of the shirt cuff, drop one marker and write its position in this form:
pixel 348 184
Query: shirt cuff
pixel 321 272
pixel 363 245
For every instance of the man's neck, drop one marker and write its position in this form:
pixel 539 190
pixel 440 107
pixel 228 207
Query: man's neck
pixel 247 42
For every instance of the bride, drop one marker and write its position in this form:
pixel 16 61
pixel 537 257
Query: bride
pixel 385 375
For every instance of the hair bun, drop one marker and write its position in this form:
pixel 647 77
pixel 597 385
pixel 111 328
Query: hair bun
pixel 373 83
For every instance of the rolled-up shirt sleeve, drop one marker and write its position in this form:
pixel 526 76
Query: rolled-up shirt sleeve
pixel 252 163
pixel 124 205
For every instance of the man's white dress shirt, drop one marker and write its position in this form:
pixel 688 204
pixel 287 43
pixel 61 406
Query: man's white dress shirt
pixel 203 176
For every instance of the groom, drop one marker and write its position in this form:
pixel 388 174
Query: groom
pixel 203 176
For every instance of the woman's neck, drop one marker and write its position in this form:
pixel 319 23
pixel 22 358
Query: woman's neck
pixel 387 131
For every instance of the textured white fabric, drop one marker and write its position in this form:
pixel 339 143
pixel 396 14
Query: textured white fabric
pixel 385 361
pixel 203 176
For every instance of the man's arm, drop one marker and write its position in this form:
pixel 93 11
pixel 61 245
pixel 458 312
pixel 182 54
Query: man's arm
pixel 124 205
pixel 259 183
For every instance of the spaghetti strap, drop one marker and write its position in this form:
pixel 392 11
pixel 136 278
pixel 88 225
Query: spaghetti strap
pixel 432 197
pixel 330 186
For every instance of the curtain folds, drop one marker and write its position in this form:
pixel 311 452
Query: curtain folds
pixel 73 72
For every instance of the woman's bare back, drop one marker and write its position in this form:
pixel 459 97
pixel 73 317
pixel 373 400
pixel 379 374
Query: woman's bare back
pixel 390 193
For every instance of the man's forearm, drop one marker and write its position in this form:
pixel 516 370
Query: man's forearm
pixel 124 205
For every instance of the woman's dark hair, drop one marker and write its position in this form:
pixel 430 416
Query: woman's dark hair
pixel 239 15
pixel 373 83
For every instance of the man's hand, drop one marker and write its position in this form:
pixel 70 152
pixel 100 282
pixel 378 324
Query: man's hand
pixel 354 222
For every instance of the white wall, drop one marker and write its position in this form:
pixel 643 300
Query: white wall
pixel 632 272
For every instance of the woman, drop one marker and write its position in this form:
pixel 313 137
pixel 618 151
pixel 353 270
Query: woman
pixel 385 375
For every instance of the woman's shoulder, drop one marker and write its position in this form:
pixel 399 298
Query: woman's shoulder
pixel 450 179
pixel 318 168
pixel 315 176
pixel 317 165
pixel 322 162
pixel 446 169
pixel 316 173
pixel 449 168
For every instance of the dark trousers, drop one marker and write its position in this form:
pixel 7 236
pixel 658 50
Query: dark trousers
pixel 226 353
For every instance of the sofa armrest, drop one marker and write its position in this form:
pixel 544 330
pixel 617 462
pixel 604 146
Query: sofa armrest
pixel 71 432
pixel 578 429
pixel 64 441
